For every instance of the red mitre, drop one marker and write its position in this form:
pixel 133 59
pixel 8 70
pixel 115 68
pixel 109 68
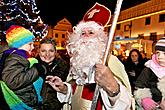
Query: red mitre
pixel 98 13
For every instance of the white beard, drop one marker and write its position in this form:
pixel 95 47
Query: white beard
pixel 86 52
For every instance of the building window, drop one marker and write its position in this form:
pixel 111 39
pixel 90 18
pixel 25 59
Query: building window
pixel 162 18
pixel 126 36
pixel 118 27
pixel 126 28
pixel 148 21
pixel 153 36
pixel 141 36
pixel 63 35
pixel 56 35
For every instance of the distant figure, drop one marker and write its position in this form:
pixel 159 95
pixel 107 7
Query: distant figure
pixel 150 85
pixel 133 66
pixel 144 56
pixel 121 58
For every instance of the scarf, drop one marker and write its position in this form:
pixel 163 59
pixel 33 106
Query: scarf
pixel 155 67
pixel 14 102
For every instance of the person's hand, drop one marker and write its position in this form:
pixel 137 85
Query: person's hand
pixel 57 84
pixel 162 105
pixel 149 104
pixel 105 79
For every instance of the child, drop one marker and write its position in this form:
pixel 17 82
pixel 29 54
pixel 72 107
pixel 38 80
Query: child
pixel 19 75
pixel 150 89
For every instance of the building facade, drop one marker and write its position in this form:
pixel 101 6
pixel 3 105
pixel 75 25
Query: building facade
pixel 140 27
pixel 59 33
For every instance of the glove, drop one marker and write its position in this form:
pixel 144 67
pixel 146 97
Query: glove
pixel 148 103
pixel 41 70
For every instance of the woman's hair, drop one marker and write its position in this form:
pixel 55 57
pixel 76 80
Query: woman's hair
pixel 140 58
pixel 48 41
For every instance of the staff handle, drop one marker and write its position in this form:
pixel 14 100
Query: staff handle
pixel 110 38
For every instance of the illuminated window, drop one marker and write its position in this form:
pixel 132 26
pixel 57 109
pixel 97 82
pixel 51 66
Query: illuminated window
pixel 126 28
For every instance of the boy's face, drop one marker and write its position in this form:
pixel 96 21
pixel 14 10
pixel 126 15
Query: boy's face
pixel 160 55
pixel 28 47
pixel 47 52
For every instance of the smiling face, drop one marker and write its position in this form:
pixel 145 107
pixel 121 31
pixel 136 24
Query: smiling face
pixel 160 55
pixel 47 52
pixel 86 46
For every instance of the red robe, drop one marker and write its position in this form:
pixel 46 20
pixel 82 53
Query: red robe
pixel 86 94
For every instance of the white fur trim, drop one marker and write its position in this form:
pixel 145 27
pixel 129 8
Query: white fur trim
pixel 161 86
pixel 142 93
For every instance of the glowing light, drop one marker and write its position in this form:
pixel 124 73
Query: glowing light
pixel 24 13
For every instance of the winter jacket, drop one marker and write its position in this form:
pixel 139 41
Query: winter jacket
pixel 19 77
pixel 58 68
pixel 133 71
pixel 147 86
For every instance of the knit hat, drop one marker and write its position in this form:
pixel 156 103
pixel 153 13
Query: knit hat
pixel 17 36
pixel 160 45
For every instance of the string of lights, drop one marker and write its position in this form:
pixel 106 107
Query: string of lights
pixel 24 13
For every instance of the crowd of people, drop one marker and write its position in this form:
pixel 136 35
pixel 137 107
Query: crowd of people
pixel 48 82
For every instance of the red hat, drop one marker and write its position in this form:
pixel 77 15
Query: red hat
pixel 98 13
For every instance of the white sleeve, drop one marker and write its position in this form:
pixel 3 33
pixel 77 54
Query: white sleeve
pixel 121 102
pixel 65 97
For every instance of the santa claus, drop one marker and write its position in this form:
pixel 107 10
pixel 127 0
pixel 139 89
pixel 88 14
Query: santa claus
pixel 86 46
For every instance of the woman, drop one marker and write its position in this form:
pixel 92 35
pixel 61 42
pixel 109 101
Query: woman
pixel 20 81
pixel 150 89
pixel 133 66
pixel 55 67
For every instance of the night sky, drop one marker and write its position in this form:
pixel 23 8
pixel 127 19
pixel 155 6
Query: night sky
pixel 52 11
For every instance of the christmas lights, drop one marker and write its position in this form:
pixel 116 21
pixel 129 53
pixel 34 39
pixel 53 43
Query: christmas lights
pixel 23 13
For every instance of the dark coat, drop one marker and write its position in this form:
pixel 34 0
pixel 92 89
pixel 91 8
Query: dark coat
pixel 59 68
pixel 19 77
pixel 148 79
pixel 130 68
